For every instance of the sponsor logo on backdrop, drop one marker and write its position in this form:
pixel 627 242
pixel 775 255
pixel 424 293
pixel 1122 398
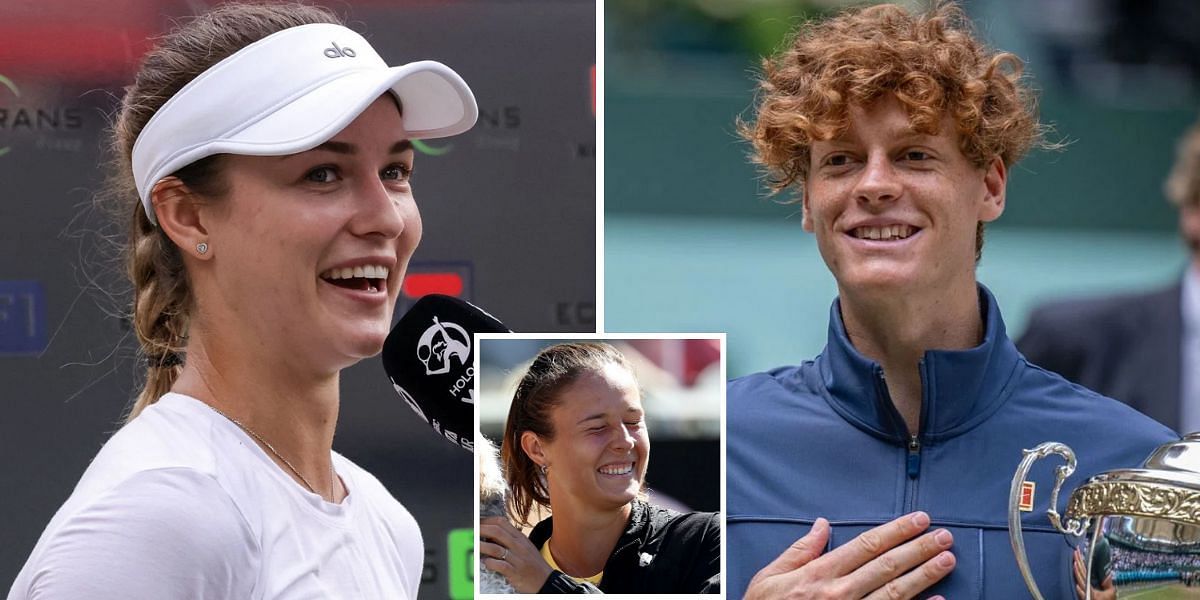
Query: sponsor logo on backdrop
pixel 22 317
pixel 425 148
pixel 450 278
pixel 461 558
pixel 504 118
pixel 498 128
pixel 579 313
pixel 12 87
pixel 47 121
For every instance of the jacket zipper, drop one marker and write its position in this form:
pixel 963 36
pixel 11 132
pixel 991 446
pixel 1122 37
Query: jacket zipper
pixel 912 449
pixel 914 457
pixel 914 441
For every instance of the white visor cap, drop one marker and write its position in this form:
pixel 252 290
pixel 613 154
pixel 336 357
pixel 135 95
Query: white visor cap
pixel 290 92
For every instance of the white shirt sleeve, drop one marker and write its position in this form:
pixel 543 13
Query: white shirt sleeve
pixel 164 533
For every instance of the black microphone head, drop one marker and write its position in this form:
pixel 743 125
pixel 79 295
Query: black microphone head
pixel 428 358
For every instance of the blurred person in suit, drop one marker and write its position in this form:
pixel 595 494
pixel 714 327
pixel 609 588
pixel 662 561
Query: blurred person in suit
pixel 1140 348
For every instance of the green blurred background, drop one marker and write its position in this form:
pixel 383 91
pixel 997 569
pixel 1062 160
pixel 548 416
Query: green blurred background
pixel 694 243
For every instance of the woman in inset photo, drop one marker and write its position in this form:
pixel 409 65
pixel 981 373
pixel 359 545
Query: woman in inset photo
pixel 262 165
pixel 576 445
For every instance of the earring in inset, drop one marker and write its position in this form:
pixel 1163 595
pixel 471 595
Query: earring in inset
pixel 544 469
pixel 202 247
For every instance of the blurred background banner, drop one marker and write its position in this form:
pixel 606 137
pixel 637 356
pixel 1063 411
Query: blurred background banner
pixel 508 210
pixel 682 393
pixel 693 242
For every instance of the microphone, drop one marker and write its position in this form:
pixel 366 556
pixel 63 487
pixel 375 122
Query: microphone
pixel 428 358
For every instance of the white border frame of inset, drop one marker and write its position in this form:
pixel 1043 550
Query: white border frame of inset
pixel 567 337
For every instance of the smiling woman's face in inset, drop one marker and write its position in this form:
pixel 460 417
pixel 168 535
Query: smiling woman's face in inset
pixel 309 249
pixel 601 447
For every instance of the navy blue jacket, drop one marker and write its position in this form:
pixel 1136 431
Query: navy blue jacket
pixel 824 440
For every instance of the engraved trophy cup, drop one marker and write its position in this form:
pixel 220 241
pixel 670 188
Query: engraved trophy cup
pixel 1141 527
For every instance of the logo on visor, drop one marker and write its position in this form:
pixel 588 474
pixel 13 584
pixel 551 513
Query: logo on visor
pixel 337 52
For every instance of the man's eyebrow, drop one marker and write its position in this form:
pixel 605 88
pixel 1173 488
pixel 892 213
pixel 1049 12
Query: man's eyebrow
pixel 905 135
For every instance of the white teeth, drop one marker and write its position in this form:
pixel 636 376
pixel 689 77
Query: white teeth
pixel 887 232
pixel 367 271
pixel 617 470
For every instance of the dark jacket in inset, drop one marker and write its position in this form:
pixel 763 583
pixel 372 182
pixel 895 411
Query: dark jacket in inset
pixel 660 552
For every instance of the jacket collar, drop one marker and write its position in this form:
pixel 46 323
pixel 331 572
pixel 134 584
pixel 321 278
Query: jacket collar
pixel 635 530
pixel 960 388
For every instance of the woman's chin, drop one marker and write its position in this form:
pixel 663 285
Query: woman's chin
pixel 620 497
pixel 365 342
pixel 348 352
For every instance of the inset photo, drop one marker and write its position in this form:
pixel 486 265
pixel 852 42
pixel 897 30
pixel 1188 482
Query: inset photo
pixel 570 500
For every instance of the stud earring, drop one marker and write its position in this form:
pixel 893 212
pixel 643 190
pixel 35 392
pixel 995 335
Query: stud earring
pixel 202 247
pixel 544 469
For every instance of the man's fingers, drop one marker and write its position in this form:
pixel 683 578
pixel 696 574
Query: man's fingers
pixel 916 581
pixel 894 563
pixel 865 547
pixel 802 551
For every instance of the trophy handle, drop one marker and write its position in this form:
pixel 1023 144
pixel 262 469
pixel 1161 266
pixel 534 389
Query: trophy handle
pixel 1074 527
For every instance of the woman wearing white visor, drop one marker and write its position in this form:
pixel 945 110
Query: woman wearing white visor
pixel 264 159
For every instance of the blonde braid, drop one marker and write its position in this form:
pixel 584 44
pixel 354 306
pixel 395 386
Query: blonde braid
pixel 161 305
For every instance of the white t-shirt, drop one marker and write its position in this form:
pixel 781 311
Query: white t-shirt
pixel 182 504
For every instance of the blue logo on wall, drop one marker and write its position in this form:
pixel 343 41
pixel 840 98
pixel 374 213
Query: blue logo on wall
pixel 22 317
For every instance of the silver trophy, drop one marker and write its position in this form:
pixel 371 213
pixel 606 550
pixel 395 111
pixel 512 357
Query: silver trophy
pixel 1141 527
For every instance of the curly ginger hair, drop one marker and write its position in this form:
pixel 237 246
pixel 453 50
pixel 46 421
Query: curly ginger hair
pixel 931 62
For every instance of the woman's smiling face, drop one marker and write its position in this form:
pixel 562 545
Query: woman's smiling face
pixel 601 448
pixel 310 249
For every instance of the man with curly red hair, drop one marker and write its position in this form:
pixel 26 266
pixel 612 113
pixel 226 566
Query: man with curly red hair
pixel 894 449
